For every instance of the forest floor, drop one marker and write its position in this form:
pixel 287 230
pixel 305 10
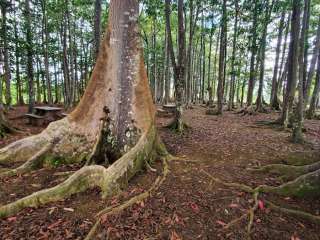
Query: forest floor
pixel 188 205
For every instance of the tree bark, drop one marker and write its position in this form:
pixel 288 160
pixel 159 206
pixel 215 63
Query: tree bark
pixel 316 52
pixel 6 57
pixel 315 95
pixel 252 77
pixel 29 39
pixel 222 56
pixel 274 101
pixel 234 49
pixel 292 63
pixel 179 66
pixel 97 27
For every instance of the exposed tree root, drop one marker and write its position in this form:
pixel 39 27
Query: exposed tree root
pixel 117 209
pixel 250 110
pixel 288 172
pixel 110 180
pixel 290 188
pixel 33 163
pixel 295 213
pixel 68 142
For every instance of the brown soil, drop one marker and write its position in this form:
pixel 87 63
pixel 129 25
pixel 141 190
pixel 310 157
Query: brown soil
pixel 188 205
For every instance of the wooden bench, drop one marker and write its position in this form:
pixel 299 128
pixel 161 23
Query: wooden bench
pixel 34 119
pixel 171 108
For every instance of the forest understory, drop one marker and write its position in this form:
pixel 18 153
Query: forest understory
pixel 188 204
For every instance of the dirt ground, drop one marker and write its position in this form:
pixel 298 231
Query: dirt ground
pixel 188 205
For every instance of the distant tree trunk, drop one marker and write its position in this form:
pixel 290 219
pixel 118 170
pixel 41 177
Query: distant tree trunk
pixel 222 56
pixel 297 135
pixel 45 41
pixel 274 101
pixel 154 61
pixel 210 103
pixel 305 46
pixel 262 55
pixel 284 59
pixel 179 67
pixel 215 66
pixel 234 49
pixel 316 52
pixel 252 77
pixel 97 27
pixel 315 95
pixel 29 55
pixel 167 71
pixel 6 57
pixel 292 63
pixel 20 100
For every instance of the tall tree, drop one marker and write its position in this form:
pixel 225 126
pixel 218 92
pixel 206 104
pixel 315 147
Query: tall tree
pixel 222 57
pixel 253 50
pixel 179 66
pixel 29 41
pixel 292 63
pixel 274 101
pixel 7 72
pixel 97 27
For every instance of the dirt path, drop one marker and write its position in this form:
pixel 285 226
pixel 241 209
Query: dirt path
pixel 188 205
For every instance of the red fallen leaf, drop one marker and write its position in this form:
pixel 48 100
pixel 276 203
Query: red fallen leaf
pixel 12 219
pixel 234 205
pixel 221 223
pixel 261 205
pixel 53 225
pixel 175 236
pixel 194 207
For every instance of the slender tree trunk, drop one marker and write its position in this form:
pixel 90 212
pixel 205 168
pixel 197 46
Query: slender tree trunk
pixel 233 57
pixel 316 52
pixel 274 102
pixel 29 55
pixel 315 95
pixel 6 58
pixel 222 56
pixel 210 103
pixel 252 77
pixel 292 63
pixel 45 41
pixel 305 46
pixel 179 67
pixel 262 55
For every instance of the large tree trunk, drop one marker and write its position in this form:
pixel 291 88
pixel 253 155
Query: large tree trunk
pixel 113 123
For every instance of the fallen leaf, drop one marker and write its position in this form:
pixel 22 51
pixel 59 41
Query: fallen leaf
pixel 68 209
pixel 194 207
pixel 261 205
pixel 221 223
pixel 175 236
pixel 233 205
pixel 12 219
